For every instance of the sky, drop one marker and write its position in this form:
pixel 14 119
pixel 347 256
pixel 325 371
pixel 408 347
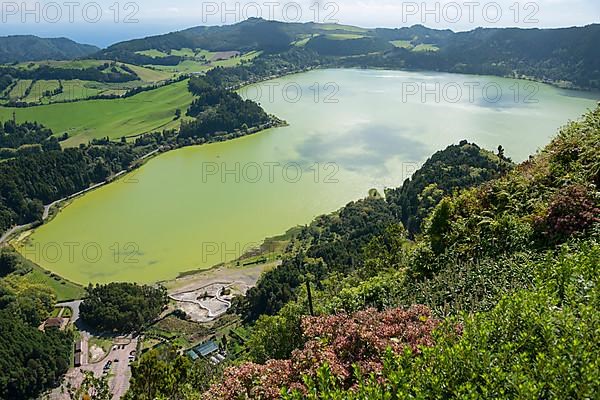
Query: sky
pixel 103 22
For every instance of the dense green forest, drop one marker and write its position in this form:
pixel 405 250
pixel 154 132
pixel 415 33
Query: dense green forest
pixel 219 110
pixel 31 360
pixel 565 55
pixel 13 136
pixel 496 295
pixel 457 167
pixel 41 173
pixel 121 307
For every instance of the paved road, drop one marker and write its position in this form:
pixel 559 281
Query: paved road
pixel 47 207
pixel 12 230
pixel 121 369
pixel 74 306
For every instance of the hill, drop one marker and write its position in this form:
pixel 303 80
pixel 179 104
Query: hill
pixel 497 296
pixel 566 56
pixel 20 48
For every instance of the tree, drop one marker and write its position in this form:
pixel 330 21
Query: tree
pixel 122 307
pixel 32 361
pixel 440 222
pixel 91 388
pixel 164 374
pixel 9 262
pixel 275 337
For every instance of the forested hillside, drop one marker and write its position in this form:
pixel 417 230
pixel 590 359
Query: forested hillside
pixel 19 48
pixel 32 361
pixel 217 109
pixel 35 170
pixel 566 56
pixel 496 297
pixel 38 172
pixel 505 273
pixel 338 242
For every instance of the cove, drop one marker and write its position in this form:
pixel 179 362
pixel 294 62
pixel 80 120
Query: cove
pixel 349 131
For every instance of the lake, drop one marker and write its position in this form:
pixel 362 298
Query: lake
pixel 349 131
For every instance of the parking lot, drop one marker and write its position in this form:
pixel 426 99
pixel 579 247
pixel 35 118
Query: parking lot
pixel 115 365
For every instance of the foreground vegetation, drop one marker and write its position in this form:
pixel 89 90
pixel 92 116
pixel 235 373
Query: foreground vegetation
pixel 495 296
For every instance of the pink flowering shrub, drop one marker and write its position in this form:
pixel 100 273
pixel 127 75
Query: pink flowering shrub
pixel 341 341
pixel 572 210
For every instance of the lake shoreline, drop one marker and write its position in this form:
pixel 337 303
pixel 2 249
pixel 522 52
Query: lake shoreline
pixel 328 73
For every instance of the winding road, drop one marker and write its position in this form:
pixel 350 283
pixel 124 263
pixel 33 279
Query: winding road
pixel 46 213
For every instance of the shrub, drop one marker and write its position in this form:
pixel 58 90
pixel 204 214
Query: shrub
pixel 535 344
pixel 343 342
pixel 572 210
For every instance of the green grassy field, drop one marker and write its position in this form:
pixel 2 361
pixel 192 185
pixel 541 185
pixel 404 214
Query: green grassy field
pixel 185 52
pixel 19 89
pixel 63 289
pixel 85 120
pixel 233 61
pixel 405 44
pixel 348 28
pixel 152 53
pixel 77 64
pixel 150 75
pixel 197 60
pixel 39 88
pixel 343 36
pixel 185 66
pixel 303 39
pixel 79 89
pixel 207 54
pixel 426 47
pixel 76 89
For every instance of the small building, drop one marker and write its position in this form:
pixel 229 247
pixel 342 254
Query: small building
pixel 56 323
pixel 206 349
pixel 192 354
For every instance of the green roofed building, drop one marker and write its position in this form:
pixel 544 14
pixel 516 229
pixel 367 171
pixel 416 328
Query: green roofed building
pixel 206 349
pixel 192 354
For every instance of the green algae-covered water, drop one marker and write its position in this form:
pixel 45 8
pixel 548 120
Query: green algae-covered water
pixel 349 131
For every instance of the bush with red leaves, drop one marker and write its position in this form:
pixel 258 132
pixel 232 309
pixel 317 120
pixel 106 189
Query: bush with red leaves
pixel 342 341
pixel 572 210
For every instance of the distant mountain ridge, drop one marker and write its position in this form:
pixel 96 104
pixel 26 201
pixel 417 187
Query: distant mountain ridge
pixel 21 48
pixel 568 56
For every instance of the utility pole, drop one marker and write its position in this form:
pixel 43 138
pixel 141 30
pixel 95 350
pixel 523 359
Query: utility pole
pixel 310 303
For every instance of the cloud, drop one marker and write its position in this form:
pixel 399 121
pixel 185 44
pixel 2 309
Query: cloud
pixel 450 14
pixel 371 143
